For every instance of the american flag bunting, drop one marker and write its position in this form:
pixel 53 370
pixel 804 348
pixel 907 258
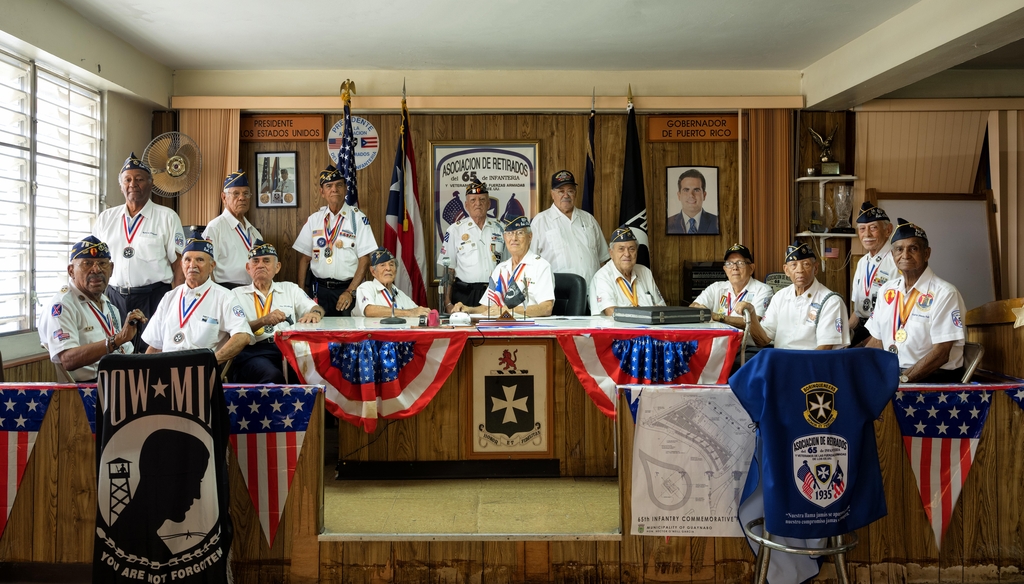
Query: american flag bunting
pixel 22 410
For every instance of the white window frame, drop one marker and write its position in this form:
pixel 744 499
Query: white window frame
pixel 25 342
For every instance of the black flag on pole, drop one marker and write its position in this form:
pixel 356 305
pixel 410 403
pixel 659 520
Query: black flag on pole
pixel 633 208
pixel 162 491
pixel 588 174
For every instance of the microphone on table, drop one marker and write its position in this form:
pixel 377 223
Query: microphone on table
pixel 394 300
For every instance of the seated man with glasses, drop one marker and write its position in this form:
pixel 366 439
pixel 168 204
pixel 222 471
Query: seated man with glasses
pixel 232 234
pixel 724 298
pixel 80 324
pixel 623 282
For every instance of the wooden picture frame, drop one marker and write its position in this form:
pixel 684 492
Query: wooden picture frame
pixel 274 183
pixel 507 167
pixel 526 425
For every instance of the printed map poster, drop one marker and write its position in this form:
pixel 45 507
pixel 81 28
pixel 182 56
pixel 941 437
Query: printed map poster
pixel 691 452
pixel 509 169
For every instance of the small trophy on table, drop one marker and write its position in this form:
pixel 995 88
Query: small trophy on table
pixel 828 166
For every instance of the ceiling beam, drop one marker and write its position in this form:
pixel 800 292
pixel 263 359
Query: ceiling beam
pixel 929 37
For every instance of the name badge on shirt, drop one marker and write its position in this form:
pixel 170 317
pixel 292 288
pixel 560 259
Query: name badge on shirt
pixel 210 320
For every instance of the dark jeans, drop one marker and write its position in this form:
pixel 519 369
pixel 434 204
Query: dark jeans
pixel 144 298
pixel 468 293
pixel 326 294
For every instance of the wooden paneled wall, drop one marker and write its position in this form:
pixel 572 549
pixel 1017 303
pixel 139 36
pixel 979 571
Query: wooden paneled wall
pixel 562 139
pixel 769 208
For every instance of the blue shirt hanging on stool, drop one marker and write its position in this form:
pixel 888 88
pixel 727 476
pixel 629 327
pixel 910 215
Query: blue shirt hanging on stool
pixel 816 458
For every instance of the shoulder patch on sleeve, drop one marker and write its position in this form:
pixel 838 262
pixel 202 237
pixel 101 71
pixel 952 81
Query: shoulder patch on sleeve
pixel 366 220
pixel 56 309
pixel 237 311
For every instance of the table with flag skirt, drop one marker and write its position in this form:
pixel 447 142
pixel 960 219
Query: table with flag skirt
pixel 372 371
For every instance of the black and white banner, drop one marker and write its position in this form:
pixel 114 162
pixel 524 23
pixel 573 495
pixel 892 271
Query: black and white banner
pixel 162 492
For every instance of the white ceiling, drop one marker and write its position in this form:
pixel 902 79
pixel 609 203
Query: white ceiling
pixel 488 34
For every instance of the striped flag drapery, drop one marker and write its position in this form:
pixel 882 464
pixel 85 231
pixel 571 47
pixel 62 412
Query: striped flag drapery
pixel 403 227
pixel 268 426
pixel 21 414
pixel 940 432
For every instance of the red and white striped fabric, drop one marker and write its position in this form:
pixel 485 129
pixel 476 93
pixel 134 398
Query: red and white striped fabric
pixel 268 426
pixel 22 409
pixel 403 228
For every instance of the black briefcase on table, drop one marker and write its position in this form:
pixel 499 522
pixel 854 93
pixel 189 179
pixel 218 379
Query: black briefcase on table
pixel 662 314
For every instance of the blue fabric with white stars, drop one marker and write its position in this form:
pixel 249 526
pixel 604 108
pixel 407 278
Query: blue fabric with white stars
pixel 258 409
pixel 1017 395
pixel 88 393
pixel 371 361
pixel 654 360
pixel 942 414
pixel 22 410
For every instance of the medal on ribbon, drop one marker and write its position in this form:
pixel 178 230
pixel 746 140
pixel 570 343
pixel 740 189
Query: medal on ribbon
pixel 244 235
pixel 130 231
pixel 186 312
pixel 903 309
pixel 628 290
pixel 263 309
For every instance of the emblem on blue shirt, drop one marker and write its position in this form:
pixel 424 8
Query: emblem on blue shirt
pixel 820 399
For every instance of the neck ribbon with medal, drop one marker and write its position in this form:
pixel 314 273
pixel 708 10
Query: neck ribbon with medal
pixel 869 278
pixel 388 296
pixel 902 312
pixel 263 309
pixel 332 234
pixel 130 231
pixel 186 312
pixel 106 323
pixel 244 235
pixel 628 290
pixel 727 301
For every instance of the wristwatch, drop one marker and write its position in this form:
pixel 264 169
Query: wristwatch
pixel 111 347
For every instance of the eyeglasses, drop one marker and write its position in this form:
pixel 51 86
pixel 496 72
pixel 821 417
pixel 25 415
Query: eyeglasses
pixel 517 234
pixel 101 264
pixel 739 264
pixel 240 195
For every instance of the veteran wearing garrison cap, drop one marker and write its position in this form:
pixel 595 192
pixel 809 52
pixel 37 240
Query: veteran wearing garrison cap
pixel 804 315
pixel 269 307
pixel 522 284
pixel 566 237
pixel 80 324
pixel 199 314
pixel 874 269
pixel 726 299
pixel 231 233
pixel 471 248
pixel 919 316
pixel 335 243
pixel 374 298
pixel 623 282
pixel 146 240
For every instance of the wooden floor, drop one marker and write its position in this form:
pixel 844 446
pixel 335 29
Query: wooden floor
pixel 472 509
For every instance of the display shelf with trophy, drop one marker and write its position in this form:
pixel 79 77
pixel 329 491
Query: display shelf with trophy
pixel 830 220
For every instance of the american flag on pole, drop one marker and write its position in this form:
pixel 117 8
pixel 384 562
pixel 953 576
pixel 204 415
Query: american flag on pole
pixel 347 158
pixel 496 291
pixel 268 425
pixel 403 228
pixel 940 431
pixel 21 414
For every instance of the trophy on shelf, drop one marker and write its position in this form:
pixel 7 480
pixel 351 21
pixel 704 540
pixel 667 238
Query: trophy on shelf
pixel 828 166
pixel 842 206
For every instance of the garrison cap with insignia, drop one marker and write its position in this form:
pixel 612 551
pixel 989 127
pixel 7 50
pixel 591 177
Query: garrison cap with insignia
pixel 236 179
pixel 622 234
pixel 133 163
pixel 476 188
pixel 905 230
pixel 90 247
pixel 517 223
pixel 740 249
pixel 330 174
pixel 380 256
pixel 262 248
pixel 203 245
pixel 799 251
pixel 562 177
pixel 870 213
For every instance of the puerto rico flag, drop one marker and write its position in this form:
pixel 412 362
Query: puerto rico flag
pixel 268 426
pixel 403 227
pixel 940 432
pixel 22 409
pixel 391 375
pixel 368 142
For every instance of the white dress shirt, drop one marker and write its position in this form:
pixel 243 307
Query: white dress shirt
pixel 574 245
pixel 874 271
pixel 372 293
pixel 285 296
pixel 354 236
pixel 69 322
pixel 535 279
pixel 156 242
pixel 720 298
pixel 214 318
pixel 605 291
pixel 789 319
pixel 473 251
pixel 231 249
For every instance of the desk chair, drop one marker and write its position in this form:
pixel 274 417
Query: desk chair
pixel 973 352
pixel 570 295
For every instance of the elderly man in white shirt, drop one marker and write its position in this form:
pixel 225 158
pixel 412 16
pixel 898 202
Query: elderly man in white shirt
pixel 231 233
pixel 804 315
pixel 566 237
pixel 522 284
pixel 199 314
pixel 724 298
pixel 376 297
pixel 874 269
pixel 623 282
pixel 471 248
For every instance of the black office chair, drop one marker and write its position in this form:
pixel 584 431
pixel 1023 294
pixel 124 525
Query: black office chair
pixel 194 231
pixel 570 295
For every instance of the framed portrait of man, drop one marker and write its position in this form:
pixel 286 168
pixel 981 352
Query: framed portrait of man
pixel 691 200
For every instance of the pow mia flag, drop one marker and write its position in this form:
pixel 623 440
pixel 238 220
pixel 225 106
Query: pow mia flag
pixel 513 294
pixel 162 492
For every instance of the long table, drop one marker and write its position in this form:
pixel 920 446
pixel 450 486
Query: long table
pixel 373 371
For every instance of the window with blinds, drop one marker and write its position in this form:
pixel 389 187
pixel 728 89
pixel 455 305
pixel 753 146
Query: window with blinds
pixel 49 183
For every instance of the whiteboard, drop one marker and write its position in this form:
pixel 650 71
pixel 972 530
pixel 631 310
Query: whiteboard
pixel 958 235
